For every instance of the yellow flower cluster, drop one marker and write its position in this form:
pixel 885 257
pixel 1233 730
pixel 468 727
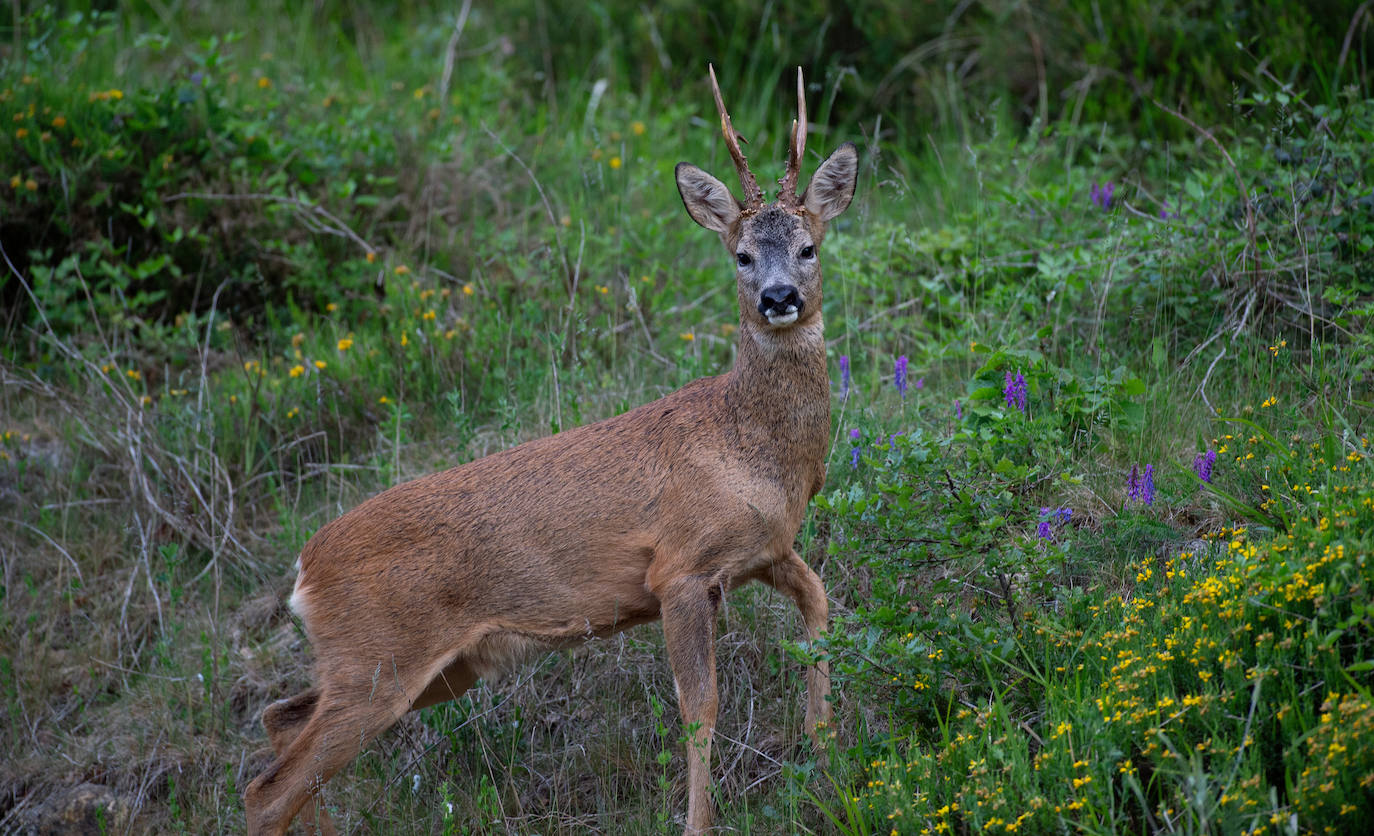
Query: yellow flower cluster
pixel 1203 666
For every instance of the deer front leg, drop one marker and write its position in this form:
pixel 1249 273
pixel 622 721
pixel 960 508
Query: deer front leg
pixel 689 623
pixel 798 581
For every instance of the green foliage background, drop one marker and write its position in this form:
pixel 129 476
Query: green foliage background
pixel 264 260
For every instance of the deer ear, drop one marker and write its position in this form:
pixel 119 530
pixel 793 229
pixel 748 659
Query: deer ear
pixel 707 199
pixel 832 186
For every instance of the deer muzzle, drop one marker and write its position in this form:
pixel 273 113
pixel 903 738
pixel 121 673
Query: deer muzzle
pixel 780 304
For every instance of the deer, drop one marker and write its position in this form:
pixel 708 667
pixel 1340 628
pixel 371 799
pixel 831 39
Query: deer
pixel 655 514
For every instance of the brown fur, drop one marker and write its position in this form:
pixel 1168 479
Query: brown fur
pixel 415 593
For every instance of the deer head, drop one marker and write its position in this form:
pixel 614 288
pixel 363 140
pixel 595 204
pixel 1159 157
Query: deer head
pixel 775 245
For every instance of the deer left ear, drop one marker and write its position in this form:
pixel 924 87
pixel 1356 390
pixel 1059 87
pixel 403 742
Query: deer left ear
pixel 707 199
pixel 832 186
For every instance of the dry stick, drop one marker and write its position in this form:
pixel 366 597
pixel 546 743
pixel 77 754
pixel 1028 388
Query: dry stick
pixel 1240 325
pixel 134 458
pixel 548 207
pixel 1106 290
pixel 1042 110
pixel 572 294
pixel 1202 387
pixel 41 533
pixel 308 212
pixel 1305 263
pixel 1363 10
pixel 226 526
pixel 124 618
pixel 144 535
pixel 1235 171
pixel 450 53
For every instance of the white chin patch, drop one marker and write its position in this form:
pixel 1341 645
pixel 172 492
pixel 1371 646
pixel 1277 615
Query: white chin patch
pixel 782 319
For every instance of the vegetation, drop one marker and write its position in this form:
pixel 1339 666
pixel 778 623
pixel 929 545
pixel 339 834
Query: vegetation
pixel 1100 510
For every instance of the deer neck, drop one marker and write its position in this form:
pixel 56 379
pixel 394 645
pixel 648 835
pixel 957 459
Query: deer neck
pixel 778 394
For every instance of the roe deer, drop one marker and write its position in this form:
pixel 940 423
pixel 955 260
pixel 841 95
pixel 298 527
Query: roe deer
pixel 415 594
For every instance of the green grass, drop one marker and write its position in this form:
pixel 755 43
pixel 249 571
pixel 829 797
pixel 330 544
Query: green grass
pixel 260 277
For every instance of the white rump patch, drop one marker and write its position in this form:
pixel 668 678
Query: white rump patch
pixel 298 603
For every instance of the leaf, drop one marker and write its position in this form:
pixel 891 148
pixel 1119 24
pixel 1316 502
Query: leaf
pixel 1132 388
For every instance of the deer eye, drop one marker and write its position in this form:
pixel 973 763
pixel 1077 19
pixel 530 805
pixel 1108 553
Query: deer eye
pixel 743 259
pixel 807 252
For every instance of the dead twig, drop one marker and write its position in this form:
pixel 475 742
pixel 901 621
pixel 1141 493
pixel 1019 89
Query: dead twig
pixel 1235 172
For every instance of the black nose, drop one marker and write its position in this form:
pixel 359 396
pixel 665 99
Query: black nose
pixel 780 299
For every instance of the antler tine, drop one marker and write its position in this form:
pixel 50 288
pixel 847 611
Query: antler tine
pixel 787 194
pixel 753 195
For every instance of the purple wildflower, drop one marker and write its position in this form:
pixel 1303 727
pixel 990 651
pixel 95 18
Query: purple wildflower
pixel 197 78
pixel 920 383
pixel 1165 214
pixel 854 434
pixel 899 375
pixel 1102 195
pixel 1141 486
pixel 958 410
pixel 1133 483
pixel 1051 518
pixel 854 454
pixel 1202 465
pixel 1014 390
pixel 844 376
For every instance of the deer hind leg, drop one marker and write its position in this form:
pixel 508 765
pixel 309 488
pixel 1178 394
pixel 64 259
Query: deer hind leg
pixel 345 717
pixel 689 608
pixel 793 578
pixel 283 721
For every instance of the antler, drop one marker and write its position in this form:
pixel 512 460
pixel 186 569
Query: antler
pixel 787 193
pixel 753 195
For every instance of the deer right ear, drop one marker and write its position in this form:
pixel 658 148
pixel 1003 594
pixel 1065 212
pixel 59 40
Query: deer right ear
pixel 832 186
pixel 707 199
